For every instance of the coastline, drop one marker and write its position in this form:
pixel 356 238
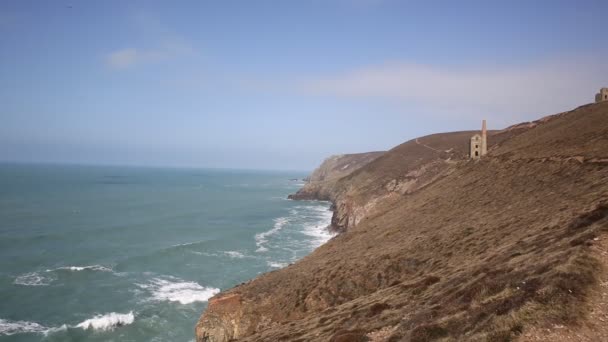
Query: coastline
pixel 154 262
pixel 436 244
pixel 319 187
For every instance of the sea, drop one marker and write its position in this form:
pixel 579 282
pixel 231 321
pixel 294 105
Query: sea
pixel 108 253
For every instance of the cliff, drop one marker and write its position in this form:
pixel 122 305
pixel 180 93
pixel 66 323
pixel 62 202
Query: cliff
pixel 320 184
pixel 437 246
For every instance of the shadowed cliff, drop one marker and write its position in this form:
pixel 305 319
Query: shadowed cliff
pixel 437 246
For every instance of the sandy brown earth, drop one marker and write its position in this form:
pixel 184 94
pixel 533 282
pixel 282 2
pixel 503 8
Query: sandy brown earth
pixel 594 327
pixel 439 247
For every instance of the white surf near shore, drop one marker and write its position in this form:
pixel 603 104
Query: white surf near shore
pixel 275 264
pixel 178 290
pixel 103 322
pixel 297 234
pixel 262 238
pixel 107 321
pixel 319 231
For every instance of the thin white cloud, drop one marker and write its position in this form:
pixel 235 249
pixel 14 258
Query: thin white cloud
pixel 168 45
pixel 123 58
pixel 533 89
pixel 129 57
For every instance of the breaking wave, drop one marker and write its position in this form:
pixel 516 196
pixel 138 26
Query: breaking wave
pixel 83 268
pixel 319 230
pixel 19 327
pixel 100 322
pixel 262 238
pixel 235 254
pixel 177 290
pixel 47 277
pixel 107 322
pixel 275 264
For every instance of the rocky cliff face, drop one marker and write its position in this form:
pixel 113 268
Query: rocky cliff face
pixel 436 246
pixel 320 184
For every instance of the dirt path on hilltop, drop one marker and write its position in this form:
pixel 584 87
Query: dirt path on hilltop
pixel 427 146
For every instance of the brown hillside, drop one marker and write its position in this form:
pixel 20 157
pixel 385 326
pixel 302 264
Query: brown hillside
pixel 339 166
pixel 461 250
pixel 403 170
pixel 321 182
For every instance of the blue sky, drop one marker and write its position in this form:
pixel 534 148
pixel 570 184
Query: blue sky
pixel 281 84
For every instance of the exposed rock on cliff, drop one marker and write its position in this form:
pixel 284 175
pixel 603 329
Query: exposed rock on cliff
pixel 320 183
pixel 436 246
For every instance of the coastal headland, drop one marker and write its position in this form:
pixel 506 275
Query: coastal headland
pixel 434 245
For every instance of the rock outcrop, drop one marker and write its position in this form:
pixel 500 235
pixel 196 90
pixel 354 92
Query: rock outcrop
pixel 320 184
pixel 437 246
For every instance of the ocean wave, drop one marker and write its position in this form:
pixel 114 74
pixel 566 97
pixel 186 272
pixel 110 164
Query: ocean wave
pixel 234 254
pixel 46 278
pixel 262 238
pixel 33 279
pixel 107 322
pixel 230 254
pixel 8 327
pixel 178 290
pixel 307 220
pixel 204 253
pixel 83 268
pixel 319 231
pixel 185 244
pixel 100 322
pixel 275 264
pixel 19 327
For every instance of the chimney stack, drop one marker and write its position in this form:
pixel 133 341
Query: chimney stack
pixel 484 141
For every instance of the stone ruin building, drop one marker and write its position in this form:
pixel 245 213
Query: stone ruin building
pixel 602 95
pixel 479 143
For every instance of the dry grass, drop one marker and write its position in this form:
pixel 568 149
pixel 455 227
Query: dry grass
pixel 480 254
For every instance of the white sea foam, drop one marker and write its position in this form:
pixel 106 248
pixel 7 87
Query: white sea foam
pixel 275 264
pixel 47 277
pixel 318 231
pixel 8 327
pixel 100 322
pixel 262 238
pixel 84 268
pixel 33 279
pixel 207 254
pixel 188 243
pixel 108 321
pixel 177 290
pixel 19 327
pixel 234 254
pixel 231 254
pixel 49 331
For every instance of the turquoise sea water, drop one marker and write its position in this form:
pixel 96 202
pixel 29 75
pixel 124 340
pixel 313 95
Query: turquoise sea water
pixel 132 254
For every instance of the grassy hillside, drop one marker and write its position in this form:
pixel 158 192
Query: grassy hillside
pixel 321 182
pixel 465 250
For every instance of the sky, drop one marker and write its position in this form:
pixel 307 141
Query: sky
pixel 281 84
